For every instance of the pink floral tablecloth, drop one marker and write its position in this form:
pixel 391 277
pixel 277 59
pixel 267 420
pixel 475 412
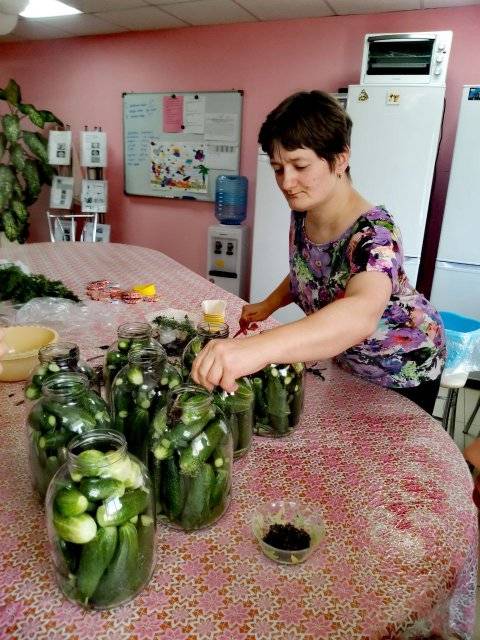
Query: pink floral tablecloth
pixel 399 556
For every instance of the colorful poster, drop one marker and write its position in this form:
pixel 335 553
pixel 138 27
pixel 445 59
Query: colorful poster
pixel 178 166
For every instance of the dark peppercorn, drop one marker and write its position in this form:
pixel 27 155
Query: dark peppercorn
pixel 287 537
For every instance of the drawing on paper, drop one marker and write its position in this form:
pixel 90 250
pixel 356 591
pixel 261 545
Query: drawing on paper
pixel 178 166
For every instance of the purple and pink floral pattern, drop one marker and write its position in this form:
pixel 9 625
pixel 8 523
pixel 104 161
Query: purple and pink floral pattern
pixel 398 560
pixel 408 346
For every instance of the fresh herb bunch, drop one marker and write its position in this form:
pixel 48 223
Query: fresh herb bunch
pixel 179 325
pixel 20 287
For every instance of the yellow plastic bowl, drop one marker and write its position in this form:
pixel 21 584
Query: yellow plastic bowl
pixel 24 341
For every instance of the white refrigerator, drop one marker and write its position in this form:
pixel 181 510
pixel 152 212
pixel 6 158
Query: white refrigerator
pixel 395 137
pixel 456 283
pixel 270 240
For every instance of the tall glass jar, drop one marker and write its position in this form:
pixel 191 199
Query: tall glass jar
pixel 205 332
pixel 191 460
pixel 279 393
pixel 139 392
pixel 66 409
pixel 62 356
pixel 129 335
pixel 101 522
pixel 238 408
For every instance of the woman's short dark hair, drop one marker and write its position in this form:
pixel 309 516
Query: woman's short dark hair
pixel 311 120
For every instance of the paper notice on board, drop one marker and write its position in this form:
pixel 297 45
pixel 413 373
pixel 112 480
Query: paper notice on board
pixel 93 149
pixel 61 193
pixel 172 114
pixel 194 114
pixel 220 155
pixel 221 126
pixel 94 196
pixel 59 147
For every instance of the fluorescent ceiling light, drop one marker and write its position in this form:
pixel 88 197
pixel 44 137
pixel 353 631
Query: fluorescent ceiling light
pixel 47 9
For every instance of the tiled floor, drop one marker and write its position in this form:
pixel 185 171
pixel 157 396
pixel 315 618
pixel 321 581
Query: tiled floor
pixel 467 399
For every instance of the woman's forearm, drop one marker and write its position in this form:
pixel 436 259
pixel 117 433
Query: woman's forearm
pixel 281 296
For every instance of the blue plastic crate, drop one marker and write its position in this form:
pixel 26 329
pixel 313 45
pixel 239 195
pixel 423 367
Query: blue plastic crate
pixel 463 339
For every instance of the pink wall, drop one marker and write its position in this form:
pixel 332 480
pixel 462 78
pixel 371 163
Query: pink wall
pixel 267 60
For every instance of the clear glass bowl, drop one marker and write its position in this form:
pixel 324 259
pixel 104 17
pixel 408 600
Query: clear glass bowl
pixel 287 512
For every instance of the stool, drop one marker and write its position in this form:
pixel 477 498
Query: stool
pixel 463 339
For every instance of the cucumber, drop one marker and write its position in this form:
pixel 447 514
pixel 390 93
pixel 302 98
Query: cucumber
pixel 54 439
pixel 32 392
pixel 70 556
pixel 96 489
pixel 74 419
pixel 135 375
pixel 136 430
pixel 197 505
pixel 233 424
pixel 245 429
pixel 119 509
pixel 78 529
pixel 220 487
pixel 173 488
pixel 181 434
pixel 120 579
pixel 95 557
pixel 70 502
pixel 202 446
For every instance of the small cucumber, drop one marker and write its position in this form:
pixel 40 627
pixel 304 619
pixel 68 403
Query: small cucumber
pixel 135 375
pixel 32 392
pixel 120 580
pixel 117 510
pixel 197 505
pixel 96 489
pixel 220 487
pixel 70 502
pixel 202 446
pixel 173 488
pixel 95 557
pixel 78 529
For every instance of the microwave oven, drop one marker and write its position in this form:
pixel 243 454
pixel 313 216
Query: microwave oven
pixel 406 58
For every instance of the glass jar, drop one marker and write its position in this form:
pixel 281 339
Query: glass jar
pixel 238 408
pixel 129 335
pixel 66 409
pixel 139 392
pixel 279 392
pixel 173 334
pixel 191 460
pixel 205 332
pixel 62 356
pixel 101 522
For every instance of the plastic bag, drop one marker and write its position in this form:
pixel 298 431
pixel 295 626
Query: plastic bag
pixel 463 351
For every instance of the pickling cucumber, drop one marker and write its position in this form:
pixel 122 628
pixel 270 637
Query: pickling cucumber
pixel 119 509
pixel 78 529
pixel 96 489
pixel 202 446
pixel 95 557
pixel 173 488
pixel 197 504
pixel 70 502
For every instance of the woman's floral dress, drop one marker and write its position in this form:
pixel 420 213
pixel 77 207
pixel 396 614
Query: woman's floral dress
pixel 408 346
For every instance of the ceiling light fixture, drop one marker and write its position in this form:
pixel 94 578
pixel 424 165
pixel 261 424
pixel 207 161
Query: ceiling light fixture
pixel 47 9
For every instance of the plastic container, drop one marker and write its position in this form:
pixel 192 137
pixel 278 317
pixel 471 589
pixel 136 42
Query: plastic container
pixel 206 331
pixel 101 522
pixel 231 199
pixel 62 356
pixel 279 395
pixel 463 343
pixel 238 408
pixel 139 392
pixel 66 409
pixel 191 461
pixel 23 343
pixel 130 334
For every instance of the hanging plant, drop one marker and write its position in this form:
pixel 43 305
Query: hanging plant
pixel 24 164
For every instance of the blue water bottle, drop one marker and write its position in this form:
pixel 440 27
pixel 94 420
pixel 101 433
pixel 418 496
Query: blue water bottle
pixel 231 199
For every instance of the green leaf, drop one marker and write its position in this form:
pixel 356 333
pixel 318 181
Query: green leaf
pixel 45 172
pixel 20 210
pixel 35 116
pixel 3 143
pixel 10 226
pixel 32 180
pixel 48 116
pixel 17 156
pixel 11 127
pixel 7 179
pixel 36 144
pixel 12 92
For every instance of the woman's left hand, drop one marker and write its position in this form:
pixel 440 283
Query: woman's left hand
pixel 221 362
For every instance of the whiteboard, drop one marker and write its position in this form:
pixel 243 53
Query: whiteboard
pixel 177 143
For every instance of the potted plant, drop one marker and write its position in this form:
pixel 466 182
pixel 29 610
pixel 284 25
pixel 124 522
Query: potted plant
pixel 24 164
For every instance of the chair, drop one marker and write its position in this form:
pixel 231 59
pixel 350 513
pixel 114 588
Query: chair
pixel 63 226
pixel 463 357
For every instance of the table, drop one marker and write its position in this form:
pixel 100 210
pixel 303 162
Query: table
pixel 399 556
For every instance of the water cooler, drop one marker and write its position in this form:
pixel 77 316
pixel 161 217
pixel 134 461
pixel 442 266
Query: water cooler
pixel 227 256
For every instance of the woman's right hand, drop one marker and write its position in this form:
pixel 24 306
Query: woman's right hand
pixel 255 313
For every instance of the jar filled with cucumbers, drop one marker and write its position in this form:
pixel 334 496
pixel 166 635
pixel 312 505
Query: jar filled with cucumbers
pixel 205 332
pixel 101 522
pixel 139 392
pixel 238 408
pixel 129 335
pixel 62 356
pixel 279 393
pixel 191 461
pixel 67 408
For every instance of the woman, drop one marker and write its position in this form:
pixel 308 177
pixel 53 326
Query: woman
pixel 346 270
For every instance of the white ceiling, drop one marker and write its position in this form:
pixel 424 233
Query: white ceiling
pixel 114 16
